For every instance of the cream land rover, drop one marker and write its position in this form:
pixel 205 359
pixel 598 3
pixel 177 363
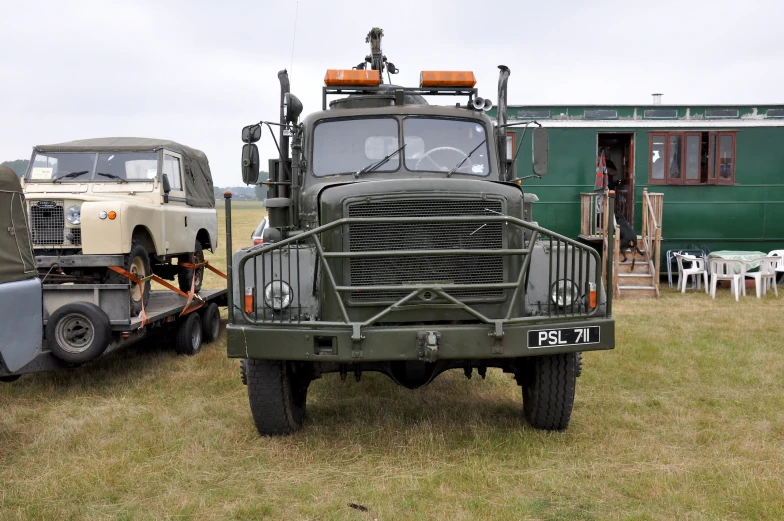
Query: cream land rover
pixel 142 204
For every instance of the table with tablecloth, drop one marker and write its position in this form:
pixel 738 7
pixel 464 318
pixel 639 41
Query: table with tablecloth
pixel 752 259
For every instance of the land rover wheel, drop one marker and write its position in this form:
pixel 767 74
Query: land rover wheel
pixel 189 335
pixel 78 332
pixel 186 276
pixel 139 266
pixel 277 394
pixel 548 384
pixel 210 322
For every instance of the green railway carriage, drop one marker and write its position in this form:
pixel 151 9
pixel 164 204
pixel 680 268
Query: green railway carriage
pixel 720 168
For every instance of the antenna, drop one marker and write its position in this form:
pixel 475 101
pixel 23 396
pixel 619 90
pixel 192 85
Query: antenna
pixel 294 39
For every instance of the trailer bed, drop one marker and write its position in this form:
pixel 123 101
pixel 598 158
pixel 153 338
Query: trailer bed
pixel 162 310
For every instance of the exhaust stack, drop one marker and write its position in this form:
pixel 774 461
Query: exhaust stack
pixel 503 79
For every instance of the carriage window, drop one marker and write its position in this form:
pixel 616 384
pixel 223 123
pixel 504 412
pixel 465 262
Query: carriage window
pixel 726 158
pixel 692 158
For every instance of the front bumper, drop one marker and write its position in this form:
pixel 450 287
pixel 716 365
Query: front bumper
pixel 79 261
pixel 301 342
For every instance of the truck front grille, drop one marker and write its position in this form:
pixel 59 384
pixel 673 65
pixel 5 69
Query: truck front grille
pixel 463 269
pixel 47 222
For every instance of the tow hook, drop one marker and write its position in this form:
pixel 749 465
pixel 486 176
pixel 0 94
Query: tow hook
pixel 427 345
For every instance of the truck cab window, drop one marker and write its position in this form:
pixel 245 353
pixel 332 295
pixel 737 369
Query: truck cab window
pixel 447 142
pixel 349 145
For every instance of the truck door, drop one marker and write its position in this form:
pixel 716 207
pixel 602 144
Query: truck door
pixel 175 211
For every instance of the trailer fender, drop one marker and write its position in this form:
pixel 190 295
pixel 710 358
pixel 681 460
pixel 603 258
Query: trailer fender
pixel 21 314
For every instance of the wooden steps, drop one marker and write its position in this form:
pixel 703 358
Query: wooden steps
pixel 636 283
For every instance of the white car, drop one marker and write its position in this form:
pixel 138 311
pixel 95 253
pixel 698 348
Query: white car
pixel 141 204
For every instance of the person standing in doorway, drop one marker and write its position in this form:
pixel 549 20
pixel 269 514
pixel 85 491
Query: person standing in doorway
pixel 600 187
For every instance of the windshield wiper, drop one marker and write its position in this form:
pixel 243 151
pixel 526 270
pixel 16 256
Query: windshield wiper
pixel 70 174
pixel 112 176
pixel 377 164
pixel 465 158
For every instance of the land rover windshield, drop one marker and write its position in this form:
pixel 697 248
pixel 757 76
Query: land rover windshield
pixel 80 167
pixel 428 144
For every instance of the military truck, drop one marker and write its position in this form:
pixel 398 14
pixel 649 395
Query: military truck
pixel 401 240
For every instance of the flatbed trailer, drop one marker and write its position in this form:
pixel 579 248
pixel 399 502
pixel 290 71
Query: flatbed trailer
pixel 163 312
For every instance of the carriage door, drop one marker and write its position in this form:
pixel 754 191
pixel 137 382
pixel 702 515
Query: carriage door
pixel 619 151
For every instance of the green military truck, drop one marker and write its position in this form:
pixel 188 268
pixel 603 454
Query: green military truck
pixel 401 240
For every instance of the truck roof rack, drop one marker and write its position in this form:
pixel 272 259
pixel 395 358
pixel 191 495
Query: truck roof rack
pixel 399 92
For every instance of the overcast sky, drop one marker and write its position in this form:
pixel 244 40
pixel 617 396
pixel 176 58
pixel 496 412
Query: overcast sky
pixel 196 71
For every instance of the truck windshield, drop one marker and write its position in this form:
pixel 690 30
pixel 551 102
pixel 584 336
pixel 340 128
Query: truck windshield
pixel 80 167
pixel 431 145
pixel 440 144
pixel 349 145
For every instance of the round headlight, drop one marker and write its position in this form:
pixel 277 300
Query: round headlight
pixel 74 214
pixel 564 292
pixel 277 295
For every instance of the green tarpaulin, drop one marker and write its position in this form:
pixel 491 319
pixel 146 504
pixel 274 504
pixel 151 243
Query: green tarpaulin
pixel 16 254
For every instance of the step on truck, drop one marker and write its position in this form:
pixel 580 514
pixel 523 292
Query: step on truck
pixel 402 241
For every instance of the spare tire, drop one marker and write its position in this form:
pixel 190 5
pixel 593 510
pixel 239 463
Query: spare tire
pixel 78 332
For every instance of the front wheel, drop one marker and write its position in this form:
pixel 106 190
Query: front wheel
pixel 548 384
pixel 278 394
pixel 139 266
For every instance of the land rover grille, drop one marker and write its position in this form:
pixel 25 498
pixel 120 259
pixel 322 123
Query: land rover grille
pixel 48 226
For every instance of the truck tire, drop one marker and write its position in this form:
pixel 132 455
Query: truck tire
pixel 139 265
pixel 277 397
pixel 78 332
pixel 185 275
pixel 189 335
pixel 210 323
pixel 548 384
pixel 10 378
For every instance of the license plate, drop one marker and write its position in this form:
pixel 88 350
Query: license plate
pixel 565 336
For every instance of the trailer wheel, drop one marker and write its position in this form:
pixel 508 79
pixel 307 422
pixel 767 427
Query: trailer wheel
pixel 185 275
pixel 189 335
pixel 139 265
pixel 277 396
pixel 210 322
pixel 548 384
pixel 78 332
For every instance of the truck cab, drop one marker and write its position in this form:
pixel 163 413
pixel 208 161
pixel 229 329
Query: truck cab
pixel 400 241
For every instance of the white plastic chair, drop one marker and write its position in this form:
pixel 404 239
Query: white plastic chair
pixel 780 264
pixel 766 276
pixel 696 269
pixel 725 269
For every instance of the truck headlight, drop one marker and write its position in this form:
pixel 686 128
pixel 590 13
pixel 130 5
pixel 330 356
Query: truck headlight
pixel 277 295
pixel 564 292
pixel 74 215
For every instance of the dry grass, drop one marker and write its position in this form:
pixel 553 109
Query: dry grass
pixel 682 421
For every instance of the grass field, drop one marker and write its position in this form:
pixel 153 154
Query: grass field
pixel 683 420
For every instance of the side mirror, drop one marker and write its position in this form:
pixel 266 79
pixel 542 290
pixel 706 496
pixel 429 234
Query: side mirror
pixel 251 133
pixel 292 107
pixel 166 188
pixel 541 150
pixel 250 164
